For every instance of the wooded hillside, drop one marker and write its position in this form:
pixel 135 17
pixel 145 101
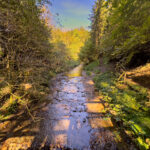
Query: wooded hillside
pixel 32 51
pixel 120 32
pixel 73 39
pixel 117 54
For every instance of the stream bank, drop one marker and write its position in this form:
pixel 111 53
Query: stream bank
pixel 74 119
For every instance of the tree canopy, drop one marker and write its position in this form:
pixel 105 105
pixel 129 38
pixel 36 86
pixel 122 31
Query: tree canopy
pixel 120 30
pixel 73 39
pixel 32 51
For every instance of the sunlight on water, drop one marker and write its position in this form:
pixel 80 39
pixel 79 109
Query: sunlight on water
pixel 62 125
pixel 90 82
pixel 101 123
pixel 94 107
pixel 61 139
pixel 70 89
pixel 76 72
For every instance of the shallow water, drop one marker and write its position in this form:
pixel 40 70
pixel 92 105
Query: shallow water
pixel 75 119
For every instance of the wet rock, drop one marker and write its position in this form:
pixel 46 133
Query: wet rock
pixel 84 120
pixel 83 95
pixel 90 130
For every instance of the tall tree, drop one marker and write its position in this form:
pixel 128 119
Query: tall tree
pixel 120 30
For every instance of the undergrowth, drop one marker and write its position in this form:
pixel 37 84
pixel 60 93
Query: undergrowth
pixel 92 67
pixel 127 104
pixel 24 92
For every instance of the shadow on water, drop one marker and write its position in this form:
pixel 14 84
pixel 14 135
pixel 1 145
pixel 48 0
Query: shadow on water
pixel 74 120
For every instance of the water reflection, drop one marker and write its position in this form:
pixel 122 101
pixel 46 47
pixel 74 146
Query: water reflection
pixel 95 107
pixel 101 123
pixel 62 125
pixel 75 119
pixel 77 114
pixel 60 139
pixel 71 131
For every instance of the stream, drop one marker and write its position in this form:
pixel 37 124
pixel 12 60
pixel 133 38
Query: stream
pixel 75 119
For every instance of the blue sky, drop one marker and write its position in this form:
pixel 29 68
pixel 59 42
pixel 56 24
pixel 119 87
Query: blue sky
pixel 72 13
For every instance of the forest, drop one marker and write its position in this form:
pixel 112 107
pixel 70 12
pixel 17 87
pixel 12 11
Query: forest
pixel 115 53
pixel 119 32
pixel 31 52
pixel 118 53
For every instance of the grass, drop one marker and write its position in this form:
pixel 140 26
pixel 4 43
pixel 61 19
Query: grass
pixel 92 66
pixel 127 104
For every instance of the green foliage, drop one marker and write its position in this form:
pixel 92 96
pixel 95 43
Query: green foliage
pixel 12 108
pixel 73 39
pixel 87 54
pixel 59 57
pixel 128 105
pixel 66 46
pixel 119 30
pixel 128 31
pixel 30 53
pixel 91 66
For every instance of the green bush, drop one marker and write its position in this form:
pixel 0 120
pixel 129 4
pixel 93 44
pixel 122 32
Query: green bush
pixel 127 103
